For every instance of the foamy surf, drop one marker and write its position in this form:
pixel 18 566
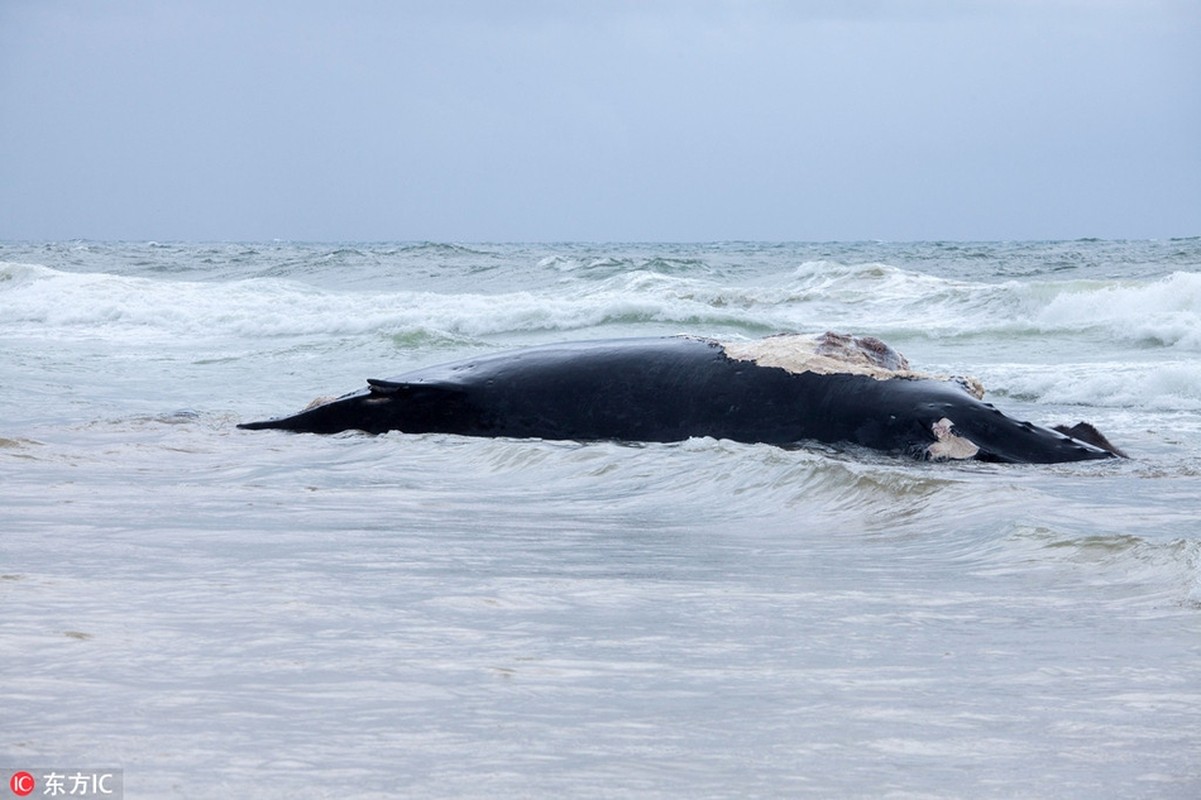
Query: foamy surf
pixel 438 614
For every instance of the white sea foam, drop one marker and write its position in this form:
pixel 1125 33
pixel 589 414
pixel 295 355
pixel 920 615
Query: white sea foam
pixel 1166 311
pixel 65 304
pixel 868 299
pixel 998 319
pixel 1161 385
pixel 434 615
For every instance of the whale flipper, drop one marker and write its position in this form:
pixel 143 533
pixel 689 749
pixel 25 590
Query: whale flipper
pixel 1085 432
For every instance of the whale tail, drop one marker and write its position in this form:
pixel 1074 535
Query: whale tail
pixel 384 406
pixel 318 417
pixel 262 425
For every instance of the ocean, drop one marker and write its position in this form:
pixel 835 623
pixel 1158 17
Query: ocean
pixel 224 613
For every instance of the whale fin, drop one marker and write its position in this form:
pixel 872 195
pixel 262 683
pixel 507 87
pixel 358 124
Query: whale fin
pixel 379 386
pixel 1086 433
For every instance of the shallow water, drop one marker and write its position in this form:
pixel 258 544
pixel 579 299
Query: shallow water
pixel 225 613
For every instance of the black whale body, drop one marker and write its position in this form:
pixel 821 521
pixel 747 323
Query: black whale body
pixel 671 388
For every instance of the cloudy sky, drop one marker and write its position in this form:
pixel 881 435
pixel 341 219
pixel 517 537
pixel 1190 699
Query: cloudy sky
pixel 551 120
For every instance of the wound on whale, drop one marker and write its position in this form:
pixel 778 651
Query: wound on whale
pixel 781 390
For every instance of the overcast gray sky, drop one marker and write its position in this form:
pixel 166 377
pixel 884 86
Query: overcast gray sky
pixel 537 120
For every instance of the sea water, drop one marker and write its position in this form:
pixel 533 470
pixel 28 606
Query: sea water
pixel 224 613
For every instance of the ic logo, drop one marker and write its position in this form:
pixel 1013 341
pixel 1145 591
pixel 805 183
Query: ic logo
pixel 21 783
